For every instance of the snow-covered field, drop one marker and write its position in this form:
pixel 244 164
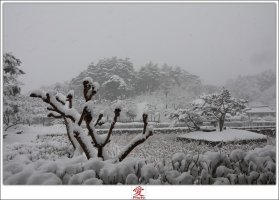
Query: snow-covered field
pixel 29 133
pixel 158 147
pixel 228 135
pixel 44 157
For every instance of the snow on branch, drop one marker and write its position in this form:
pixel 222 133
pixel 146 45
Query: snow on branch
pixel 139 139
pixel 99 121
pixel 54 115
pixel 90 88
pixel 84 142
pixel 116 115
pixel 60 106
pixel 60 98
pixel 39 94
pixel 219 105
pixel 70 96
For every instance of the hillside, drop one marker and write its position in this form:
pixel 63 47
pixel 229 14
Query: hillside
pixel 258 89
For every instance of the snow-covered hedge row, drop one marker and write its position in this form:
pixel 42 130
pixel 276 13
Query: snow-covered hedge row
pixel 239 167
pixel 139 130
pixel 253 167
pixel 120 125
pixel 48 147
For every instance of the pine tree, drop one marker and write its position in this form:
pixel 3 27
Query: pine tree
pixel 11 86
pixel 115 75
pixel 149 78
pixel 218 105
pixel 11 90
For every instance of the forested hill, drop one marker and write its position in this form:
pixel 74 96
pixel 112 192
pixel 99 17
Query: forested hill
pixel 259 89
pixel 119 79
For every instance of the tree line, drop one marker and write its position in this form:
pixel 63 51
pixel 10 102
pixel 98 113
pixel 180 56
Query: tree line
pixel 119 79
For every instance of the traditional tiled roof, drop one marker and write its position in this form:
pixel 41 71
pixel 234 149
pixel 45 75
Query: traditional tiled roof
pixel 260 109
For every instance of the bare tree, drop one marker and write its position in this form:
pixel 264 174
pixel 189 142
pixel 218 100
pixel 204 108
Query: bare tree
pixel 61 106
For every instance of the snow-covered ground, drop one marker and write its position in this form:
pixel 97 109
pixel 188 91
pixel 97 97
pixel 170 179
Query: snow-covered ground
pixel 29 133
pixel 156 148
pixel 41 155
pixel 228 135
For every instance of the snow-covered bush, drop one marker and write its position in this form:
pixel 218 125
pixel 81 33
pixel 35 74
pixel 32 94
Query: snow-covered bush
pixel 219 168
pixel 208 168
pixel 11 112
pixel 131 111
pixel 189 116
pixel 61 107
pixel 47 147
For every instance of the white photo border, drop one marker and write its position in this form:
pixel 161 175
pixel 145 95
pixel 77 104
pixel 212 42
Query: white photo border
pixel 153 192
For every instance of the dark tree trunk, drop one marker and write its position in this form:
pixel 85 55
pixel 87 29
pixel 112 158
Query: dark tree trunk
pixel 166 100
pixel 221 123
pixel 100 152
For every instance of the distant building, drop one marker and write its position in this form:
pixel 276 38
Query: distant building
pixel 260 113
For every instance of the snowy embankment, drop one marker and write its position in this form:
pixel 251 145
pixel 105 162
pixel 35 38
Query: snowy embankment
pixel 226 136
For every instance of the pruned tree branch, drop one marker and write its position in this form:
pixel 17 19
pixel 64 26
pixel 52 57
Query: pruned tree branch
pixel 70 96
pixel 52 114
pixel 137 140
pixel 81 116
pixel 83 145
pixel 99 122
pixel 59 108
pixel 59 100
pixel 69 128
pixel 116 115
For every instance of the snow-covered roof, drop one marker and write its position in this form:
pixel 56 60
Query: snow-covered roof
pixel 260 109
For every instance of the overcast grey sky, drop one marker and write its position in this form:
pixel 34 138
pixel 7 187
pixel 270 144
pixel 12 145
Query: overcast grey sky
pixel 214 41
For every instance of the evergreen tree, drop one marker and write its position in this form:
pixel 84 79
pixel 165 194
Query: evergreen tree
pixel 11 90
pixel 116 77
pixel 11 86
pixel 148 78
pixel 218 105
